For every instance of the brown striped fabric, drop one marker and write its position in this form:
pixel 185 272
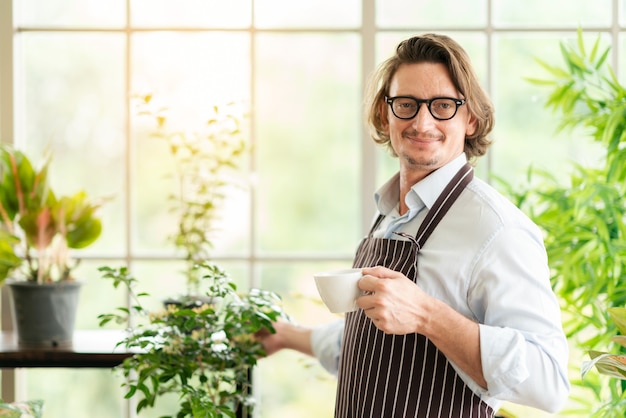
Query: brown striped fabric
pixel 397 376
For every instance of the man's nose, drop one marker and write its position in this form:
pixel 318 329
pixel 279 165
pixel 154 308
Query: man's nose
pixel 423 117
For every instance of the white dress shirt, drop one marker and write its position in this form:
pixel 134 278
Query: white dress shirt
pixel 487 260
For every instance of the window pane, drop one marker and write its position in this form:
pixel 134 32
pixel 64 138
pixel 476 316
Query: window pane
pixel 556 13
pixel 191 13
pixel 307 13
pixel 524 127
pixel 161 279
pixel 66 13
pixel 97 295
pixel 188 73
pixel 308 113
pixel 93 393
pixel 431 14
pixel 73 86
pixel 157 184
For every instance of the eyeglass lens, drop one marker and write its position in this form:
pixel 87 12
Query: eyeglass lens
pixel 407 107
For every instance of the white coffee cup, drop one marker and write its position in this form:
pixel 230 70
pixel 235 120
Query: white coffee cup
pixel 339 289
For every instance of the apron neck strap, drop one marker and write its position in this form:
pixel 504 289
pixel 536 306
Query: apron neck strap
pixel 441 206
pixel 444 202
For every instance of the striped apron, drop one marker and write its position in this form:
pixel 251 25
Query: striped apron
pixel 401 376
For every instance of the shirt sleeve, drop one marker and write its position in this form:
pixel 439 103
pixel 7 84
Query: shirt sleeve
pixel 524 350
pixel 326 345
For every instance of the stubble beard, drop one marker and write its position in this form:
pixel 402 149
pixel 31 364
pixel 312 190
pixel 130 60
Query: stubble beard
pixel 419 162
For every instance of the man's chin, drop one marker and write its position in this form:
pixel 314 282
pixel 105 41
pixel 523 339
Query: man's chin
pixel 422 163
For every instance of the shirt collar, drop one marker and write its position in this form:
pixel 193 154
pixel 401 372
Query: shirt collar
pixel 424 192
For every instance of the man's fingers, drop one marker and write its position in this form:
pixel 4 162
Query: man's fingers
pixel 382 272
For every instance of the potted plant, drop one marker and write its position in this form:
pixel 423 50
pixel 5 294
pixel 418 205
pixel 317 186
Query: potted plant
pixel 202 354
pixel 204 163
pixel 37 231
pixel 584 218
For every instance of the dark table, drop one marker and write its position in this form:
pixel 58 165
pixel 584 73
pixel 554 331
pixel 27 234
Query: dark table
pixel 90 348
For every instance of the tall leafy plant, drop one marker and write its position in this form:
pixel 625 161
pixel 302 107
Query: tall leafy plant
pixel 205 161
pixel 584 218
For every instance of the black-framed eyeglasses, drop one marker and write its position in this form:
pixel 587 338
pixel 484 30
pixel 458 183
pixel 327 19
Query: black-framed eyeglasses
pixel 406 107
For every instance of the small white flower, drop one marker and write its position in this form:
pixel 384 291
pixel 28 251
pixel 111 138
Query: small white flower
pixel 218 336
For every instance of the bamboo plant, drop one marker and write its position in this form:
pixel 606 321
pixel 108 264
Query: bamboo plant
pixel 584 218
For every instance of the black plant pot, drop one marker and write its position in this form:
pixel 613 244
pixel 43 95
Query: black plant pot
pixel 44 314
pixel 188 301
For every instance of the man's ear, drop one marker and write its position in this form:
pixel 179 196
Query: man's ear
pixel 471 126
pixel 384 116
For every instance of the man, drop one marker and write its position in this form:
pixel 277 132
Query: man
pixel 458 314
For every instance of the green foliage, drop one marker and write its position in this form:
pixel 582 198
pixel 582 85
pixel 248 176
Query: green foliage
pixel 26 409
pixel 588 94
pixel 607 363
pixel 203 160
pixel 585 219
pixel 202 352
pixel 36 228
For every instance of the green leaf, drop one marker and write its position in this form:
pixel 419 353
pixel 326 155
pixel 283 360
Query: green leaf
pixel 618 315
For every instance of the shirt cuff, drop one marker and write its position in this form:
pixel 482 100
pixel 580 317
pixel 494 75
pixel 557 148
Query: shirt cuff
pixel 326 345
pixel 503 356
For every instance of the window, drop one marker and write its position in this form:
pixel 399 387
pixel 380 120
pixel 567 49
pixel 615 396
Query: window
pixel 70 68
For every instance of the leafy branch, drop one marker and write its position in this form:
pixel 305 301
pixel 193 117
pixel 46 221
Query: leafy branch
pixel 202 352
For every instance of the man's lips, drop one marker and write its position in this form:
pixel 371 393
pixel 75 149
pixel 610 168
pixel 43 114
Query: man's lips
pixel 421 139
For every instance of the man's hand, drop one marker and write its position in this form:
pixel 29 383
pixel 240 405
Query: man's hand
pixel 287 335
pixel 395 304
pixel 271 341
pixel 398 306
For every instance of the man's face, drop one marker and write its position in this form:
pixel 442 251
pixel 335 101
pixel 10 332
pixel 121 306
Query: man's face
pixel 423 143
